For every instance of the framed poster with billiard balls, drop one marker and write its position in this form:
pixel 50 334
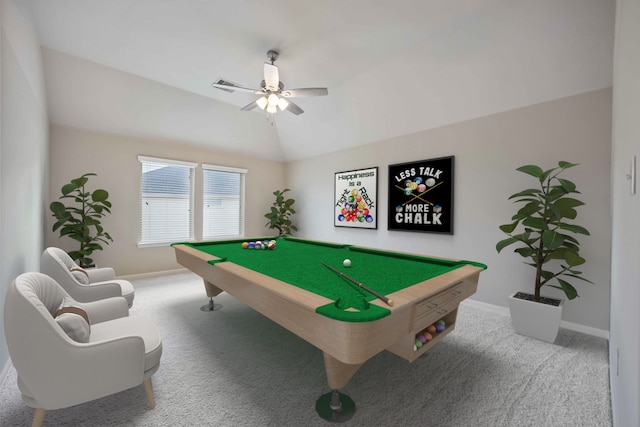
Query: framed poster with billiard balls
pixel 421 196
pixel 355 198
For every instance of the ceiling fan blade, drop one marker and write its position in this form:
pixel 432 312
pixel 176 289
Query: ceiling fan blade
pixel 234 87
pixel 271 76
pixel 249 106
pixel 309 91
pixel 293 108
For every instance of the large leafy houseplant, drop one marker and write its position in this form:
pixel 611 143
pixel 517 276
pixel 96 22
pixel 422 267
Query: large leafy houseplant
pixel 543 230
pixel 80 220
pixel 279 217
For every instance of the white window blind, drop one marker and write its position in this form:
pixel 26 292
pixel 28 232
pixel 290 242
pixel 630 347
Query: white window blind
pixel 223 202
pixel 166 200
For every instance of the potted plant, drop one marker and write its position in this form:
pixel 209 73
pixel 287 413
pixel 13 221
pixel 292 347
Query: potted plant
pixel 545 236
pixel 280 214
pixel 80 220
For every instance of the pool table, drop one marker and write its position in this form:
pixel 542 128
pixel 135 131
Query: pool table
pixel 292 286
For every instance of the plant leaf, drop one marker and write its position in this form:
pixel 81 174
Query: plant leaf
pixel 99 195
pixel 532 170
pixel 575 228
pixel 552 240
pixel 504 243
pixel 537 223
pixel 573 259
pixel 508 228
pixel 566 165
pixel 568 289
pixel 528 192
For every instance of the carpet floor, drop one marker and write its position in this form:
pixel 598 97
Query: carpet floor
pixel 234 367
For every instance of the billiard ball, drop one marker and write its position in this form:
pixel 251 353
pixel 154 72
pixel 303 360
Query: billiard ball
pixel 346 263
pixel 245 245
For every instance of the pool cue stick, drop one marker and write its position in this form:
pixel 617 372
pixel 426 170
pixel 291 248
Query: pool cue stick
pixel 366 288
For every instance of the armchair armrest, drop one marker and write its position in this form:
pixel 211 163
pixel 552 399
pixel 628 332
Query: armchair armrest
pixel 106 309
pixel 85 293
pixel 100 274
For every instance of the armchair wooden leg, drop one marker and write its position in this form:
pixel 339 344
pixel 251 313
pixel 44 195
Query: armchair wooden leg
pixel 38 418
pixel 149 389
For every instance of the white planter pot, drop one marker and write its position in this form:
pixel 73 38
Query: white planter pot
pixel 535 319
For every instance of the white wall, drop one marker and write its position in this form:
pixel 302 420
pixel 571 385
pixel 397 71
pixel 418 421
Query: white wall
pixel 487 151
pixel 625 278
pixel 23 151
pixel 114 158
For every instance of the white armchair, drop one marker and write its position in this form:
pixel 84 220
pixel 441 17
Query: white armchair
pixel 84 285
pixel 54 370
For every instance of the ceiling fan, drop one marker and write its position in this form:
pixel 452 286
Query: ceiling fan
pixel 273 96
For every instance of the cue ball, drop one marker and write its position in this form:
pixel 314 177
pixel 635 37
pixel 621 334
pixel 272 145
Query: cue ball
pixel 346 263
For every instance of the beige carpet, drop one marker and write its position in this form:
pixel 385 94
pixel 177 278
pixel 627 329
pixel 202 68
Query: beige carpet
pixel 234 367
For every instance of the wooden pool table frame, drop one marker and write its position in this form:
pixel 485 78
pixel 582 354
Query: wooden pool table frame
pixel 345 345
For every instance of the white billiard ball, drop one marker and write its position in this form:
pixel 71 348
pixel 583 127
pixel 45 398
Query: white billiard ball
pixel 346 263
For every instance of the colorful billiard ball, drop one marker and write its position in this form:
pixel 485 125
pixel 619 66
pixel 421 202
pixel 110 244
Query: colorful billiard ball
pixel 346 262
pixel 245 245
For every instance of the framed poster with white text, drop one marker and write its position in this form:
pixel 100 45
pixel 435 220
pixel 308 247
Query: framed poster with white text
pixel 355 198
pixel 421 196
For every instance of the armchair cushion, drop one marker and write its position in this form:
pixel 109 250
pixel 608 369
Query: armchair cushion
pixel 73 320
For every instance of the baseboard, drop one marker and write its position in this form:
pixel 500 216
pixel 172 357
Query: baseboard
pixel 153 274
pixel 4 371
pixel 564 324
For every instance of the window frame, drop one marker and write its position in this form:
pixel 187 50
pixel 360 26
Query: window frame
pixel 192 180
pixel 242 172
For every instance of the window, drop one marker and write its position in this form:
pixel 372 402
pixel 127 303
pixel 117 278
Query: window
pixel 223 202
pixel 166 204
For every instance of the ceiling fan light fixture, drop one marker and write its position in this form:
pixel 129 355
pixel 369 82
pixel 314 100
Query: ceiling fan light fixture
pixel 271 108
pixel 273 99
pixel 262 102
pixel 283 104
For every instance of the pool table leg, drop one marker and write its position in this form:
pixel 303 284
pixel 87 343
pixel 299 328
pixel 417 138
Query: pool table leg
pixel 335 406
pixel 212 291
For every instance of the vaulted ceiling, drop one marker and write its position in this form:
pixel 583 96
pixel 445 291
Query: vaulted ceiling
pixel 392 67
